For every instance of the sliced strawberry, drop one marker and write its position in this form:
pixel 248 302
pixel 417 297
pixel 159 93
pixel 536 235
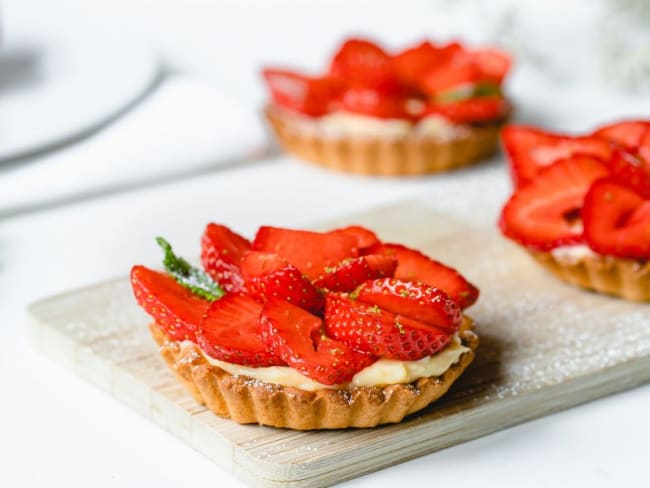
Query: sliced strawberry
pixel 350 273
pixel 373 103
pixel 411 64
pixel 364 237
pixel 546 213
pixel 631 171
pixel 626 134
pixel 617 220
pixel 268 275
pixel 310 252
pixel 298 338
pixel 221 253
pixel 414 266
pixel 363 64
pixel 530 150
pixel 418 301
pixel 229 332
pixel 309 96
pixel 173 307
pixel 476 109
pixel 461 71
pixel 375 331
pixel 492 63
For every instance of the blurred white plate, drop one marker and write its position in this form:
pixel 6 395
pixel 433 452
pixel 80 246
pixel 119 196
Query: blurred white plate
pixel 56 87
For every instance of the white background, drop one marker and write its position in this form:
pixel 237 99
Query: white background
pixel 57 430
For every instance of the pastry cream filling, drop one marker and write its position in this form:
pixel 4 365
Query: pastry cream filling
pixel 343 123
pixel 381 372
pixel 573 253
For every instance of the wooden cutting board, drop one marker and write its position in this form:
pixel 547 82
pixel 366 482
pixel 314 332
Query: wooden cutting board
pixel 545 346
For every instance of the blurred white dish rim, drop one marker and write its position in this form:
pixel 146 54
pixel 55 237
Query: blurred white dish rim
pixel 55 89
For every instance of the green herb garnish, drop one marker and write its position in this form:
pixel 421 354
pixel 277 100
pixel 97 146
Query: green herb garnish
pixel 192 278
pixel 469 91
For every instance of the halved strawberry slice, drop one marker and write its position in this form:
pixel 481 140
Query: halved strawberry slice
pixel 298 338
pixel 363 64
pixel 418 301
pixel 229 332
pixel 626 134
pixel 476 109
pixel 460 71
pixel 411 64
pixel 268 275
pixel 492 63
pixel 373 103
pixel 414 266
pixel 546 213
pixel 364 237
pixel 530 150
pixel 309 96
pixel 350 273
pixel 375 331
pixel 310 252
pixel 617 220
pixel 221 253
pixel 173 307
pixel 632 171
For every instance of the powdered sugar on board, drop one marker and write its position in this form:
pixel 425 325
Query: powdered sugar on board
pixel 544 346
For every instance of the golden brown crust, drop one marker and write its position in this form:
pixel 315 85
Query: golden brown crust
pixel 246 400
pixel 626 278
pixel 386 156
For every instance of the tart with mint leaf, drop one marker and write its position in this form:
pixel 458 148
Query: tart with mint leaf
pixel 581 204
pixel 309 330
pixel 431 107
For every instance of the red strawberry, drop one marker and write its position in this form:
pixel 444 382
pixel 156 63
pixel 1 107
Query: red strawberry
pixel 268 275
pixel 461 71
pixel 411 64
pixel 545 213
pixel 350 273
pixel 627 134
pixel 373 103
pixel 492 63
pixel 297 337
pixel 476 109
pixel 530 150
pixel 309 96
pixel 370 329
pixel 173 307
pixel 221 253
pixel 364 237
pixel 631 171
pixel 363 64
pixel 617 220
pixel 310 252
pixel 412 265
pixel 415 300
pixel 229 332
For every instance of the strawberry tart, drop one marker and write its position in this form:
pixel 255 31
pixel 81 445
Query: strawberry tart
pixel 309 330
pixel 425 109
pixel 581 204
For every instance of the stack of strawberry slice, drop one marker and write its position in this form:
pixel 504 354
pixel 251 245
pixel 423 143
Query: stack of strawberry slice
pixel 327 304
pixel 449 80
pixel 592 189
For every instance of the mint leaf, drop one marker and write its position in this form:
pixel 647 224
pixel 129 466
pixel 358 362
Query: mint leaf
pixel 466 92
pixel 192 278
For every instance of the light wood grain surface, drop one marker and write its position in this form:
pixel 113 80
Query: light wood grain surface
pixel 545 346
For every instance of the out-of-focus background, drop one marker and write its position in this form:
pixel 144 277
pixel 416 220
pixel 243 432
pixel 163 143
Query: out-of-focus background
pixel 125 119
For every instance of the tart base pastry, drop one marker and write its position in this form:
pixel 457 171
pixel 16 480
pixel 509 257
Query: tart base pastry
pixel 247 400
pixel 408 155
pixel 627 278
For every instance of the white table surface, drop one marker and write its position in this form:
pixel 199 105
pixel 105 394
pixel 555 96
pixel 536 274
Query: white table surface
pixel 57 430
